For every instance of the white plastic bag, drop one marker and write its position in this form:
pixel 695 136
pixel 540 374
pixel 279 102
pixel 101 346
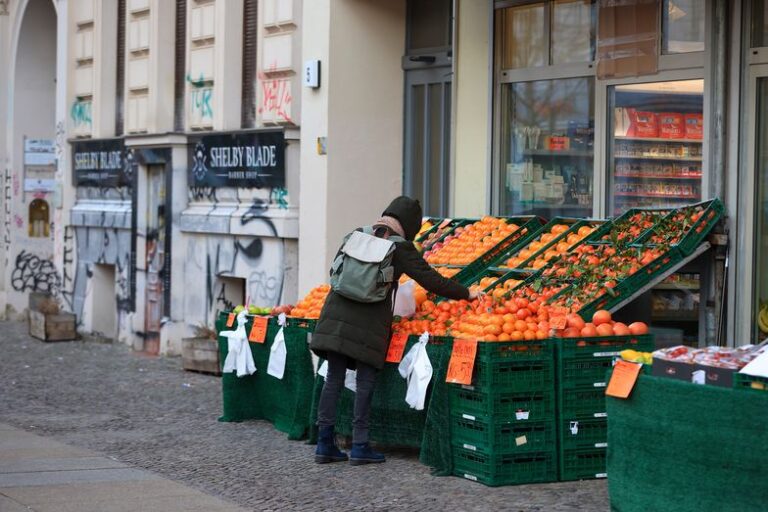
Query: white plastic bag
pixel 278 352
pixel 239 358
pixel 405 302
pixel 350 379
pixel 416 368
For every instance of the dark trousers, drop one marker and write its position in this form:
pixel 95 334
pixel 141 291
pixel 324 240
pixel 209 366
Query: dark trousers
pixel 334 383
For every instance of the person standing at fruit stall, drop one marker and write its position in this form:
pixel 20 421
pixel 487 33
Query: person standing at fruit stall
pixel 355 335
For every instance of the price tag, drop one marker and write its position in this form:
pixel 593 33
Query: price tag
pixel 558 317
pixel 396 347
pixel 462 362
pixel 259 329
pixel 520 441
pixel 230 319
pixel 623 379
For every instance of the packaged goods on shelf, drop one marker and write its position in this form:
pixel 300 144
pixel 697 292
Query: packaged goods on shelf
pixel 671 125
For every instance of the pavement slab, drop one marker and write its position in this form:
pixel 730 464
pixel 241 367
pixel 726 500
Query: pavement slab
pixel 103 400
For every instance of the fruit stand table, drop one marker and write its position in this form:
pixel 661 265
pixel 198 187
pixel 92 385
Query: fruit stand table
pixel 677 446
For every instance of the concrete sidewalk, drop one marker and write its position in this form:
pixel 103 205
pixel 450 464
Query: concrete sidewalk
pixel 41 475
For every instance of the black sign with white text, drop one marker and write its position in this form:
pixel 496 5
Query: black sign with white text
pixel 253 159
pixel 101 163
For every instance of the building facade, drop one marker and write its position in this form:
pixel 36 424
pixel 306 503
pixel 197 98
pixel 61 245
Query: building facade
pixel 136 134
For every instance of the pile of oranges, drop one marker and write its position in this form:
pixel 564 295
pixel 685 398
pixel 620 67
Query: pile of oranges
pixel 557 234
pixel 311 305
pixel 601 325
pixel 470 242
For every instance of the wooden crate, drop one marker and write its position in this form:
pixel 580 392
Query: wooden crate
pixel 59 327
pixel 200 355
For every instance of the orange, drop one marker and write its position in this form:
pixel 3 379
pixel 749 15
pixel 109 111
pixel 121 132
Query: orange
pixel 638 328
pixel 589 330
pixel 575 321
pixel 604 330
pixel 508 328
pixel 620 329
pixel 601 317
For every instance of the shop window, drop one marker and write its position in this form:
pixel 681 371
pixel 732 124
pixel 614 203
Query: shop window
pixel 759 23
pixel 39 219
pixel 683 26
pixel 546 33
pixel 656 149
pixel 547 147
pixel 429 24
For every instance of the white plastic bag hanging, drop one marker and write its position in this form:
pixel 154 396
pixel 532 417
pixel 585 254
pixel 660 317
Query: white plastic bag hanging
pixel 416 368
pixel 350 379
pixel 278 352
pixel 239 358
pixel 405 302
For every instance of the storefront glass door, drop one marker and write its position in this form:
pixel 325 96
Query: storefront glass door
pixel 761 213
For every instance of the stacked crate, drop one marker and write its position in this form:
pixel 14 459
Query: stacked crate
pixel 582 422
pixel 503 425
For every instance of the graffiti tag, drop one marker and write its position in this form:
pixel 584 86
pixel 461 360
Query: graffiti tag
pixel 34 274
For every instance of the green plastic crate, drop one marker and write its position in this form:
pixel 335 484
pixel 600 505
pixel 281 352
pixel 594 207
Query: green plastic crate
pixel 499 434
pixel 575 225
pixel 712 212
pixel 514 366
pixel 580 401
pixel 455 223
pixel 590 432
pixel 505 469
pixel 602 346
pixel 750 382
pixel 583 373
pixel 525 405
pixel 528 227
pixel 622 222
pixel 582 464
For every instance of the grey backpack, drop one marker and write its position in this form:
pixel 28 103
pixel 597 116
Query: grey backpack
pixel 363 271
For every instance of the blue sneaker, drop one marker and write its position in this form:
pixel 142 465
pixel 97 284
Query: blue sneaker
pixel 326 450
pixel 362 453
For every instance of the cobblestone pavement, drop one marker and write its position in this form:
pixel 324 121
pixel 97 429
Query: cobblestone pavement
pixel 149 413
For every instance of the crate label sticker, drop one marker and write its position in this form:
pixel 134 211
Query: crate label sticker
pixel 522 415
pixel 601 415
pixel 462 362
pixel 601 475
pixel 470 477
pixel 470 447
pixel 574 428
pixel 699 377
pixel 520 441
pixel 230 320
pixel 599 384
pixel 601 445
pixel 623 379
pixel 606 354
pixel 468 417
pixel 396 347
pixel 259 329
pixel 468 388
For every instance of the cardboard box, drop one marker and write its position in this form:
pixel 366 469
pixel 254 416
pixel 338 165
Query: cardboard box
pixel 694 126
pixel 673 369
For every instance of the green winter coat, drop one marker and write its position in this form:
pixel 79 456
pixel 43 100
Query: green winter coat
pixel 362 331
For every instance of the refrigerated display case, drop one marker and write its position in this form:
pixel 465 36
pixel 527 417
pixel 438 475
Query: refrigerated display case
pixel 760 312
pixel 655 147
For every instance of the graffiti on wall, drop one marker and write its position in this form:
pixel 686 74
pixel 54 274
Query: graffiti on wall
pixel 7 215
pixel 275 97
pixel 80 112
pixel 201 99
pixel 34 274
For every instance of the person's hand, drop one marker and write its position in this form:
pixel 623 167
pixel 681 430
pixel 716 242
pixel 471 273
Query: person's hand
pixel 476 293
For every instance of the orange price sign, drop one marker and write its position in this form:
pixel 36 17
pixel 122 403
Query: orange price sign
pixel 396 347
pixel 462 362
pixel 558 317
pixel 623 379
pixel 259 330
pixel 230 319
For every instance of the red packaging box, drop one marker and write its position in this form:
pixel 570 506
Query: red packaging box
pixel 671 125
pixel 694 126
pixel 644 124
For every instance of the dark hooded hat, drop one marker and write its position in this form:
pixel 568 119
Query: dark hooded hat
pixel 408 212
